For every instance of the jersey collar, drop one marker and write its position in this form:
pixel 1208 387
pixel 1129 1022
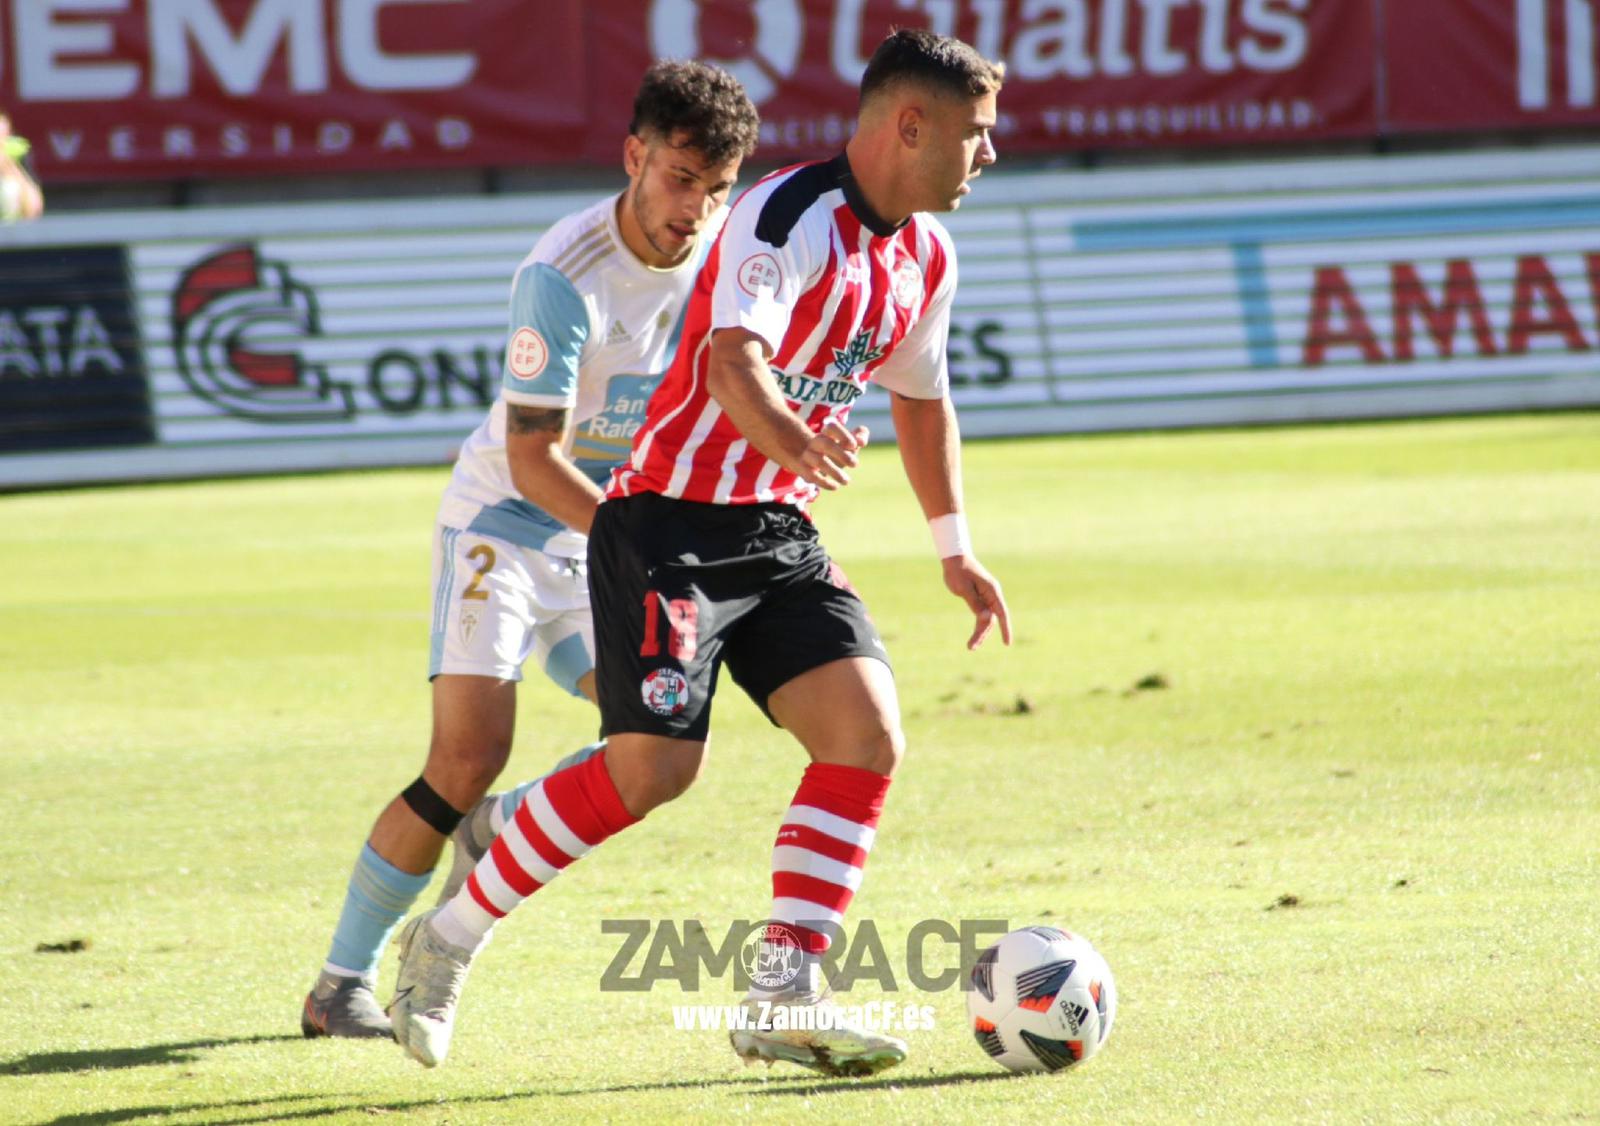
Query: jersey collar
pixel 870 219
pixel 636 264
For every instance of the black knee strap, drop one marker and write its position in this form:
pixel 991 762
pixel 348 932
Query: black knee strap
pixel 426 803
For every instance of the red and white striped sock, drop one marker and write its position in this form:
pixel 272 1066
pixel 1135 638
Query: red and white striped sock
pixel 562 817
pixel 821 849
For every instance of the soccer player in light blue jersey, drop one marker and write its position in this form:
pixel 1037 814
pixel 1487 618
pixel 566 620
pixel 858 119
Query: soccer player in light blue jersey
pixel 595 313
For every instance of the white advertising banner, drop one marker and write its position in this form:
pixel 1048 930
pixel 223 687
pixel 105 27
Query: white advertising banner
pixel 267 339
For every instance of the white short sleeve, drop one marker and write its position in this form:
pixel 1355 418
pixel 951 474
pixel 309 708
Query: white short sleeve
pixel 549 327
pixel 758 283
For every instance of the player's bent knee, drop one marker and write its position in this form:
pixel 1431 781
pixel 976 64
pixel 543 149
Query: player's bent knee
pixel 671 780
pixel 882 754
pixel 473 721
pixel 878 750
pixel 895 750
pixel 649 773
pixel 464 770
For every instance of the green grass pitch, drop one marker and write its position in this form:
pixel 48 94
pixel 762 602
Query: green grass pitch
pixel 1342 850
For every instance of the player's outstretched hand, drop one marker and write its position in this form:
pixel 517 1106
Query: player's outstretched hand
pixel 831 454
pixel 968 581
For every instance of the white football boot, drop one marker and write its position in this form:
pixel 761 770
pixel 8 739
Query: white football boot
pixel 432 973
pixel 808 1027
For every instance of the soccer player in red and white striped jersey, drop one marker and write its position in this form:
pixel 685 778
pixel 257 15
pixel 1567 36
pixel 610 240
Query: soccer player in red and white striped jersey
pixel 702 557
pixel 836 292
pixel 825 276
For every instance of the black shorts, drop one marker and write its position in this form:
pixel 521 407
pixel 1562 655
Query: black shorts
pixel 678 588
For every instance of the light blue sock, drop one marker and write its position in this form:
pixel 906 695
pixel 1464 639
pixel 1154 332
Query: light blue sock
pixel 513 798
pixel 377 899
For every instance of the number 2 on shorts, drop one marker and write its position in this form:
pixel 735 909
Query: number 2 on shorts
pixel 483 555
pixel 682 618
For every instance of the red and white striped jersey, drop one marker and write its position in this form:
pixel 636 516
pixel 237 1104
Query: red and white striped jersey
pixel 838 294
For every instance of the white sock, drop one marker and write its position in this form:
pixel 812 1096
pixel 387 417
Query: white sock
pixel 450 928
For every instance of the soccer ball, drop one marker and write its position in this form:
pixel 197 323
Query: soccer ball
pixel 1041 999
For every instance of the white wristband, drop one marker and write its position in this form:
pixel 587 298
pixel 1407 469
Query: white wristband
pixel 950 535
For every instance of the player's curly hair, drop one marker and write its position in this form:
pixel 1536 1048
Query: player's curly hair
pixel 706 102
pixel 913 54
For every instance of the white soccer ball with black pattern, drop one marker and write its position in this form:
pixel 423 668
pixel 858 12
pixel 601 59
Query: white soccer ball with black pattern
pixel 1042 999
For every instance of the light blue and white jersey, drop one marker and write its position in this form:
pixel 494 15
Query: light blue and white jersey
pixel 592 331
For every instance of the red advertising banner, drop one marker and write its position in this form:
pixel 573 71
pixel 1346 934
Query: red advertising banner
pixel 1491 64
pixel 1080 73
pixel 123 89
pixel 173 89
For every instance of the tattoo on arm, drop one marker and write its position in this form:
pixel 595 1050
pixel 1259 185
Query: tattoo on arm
pixel 529 420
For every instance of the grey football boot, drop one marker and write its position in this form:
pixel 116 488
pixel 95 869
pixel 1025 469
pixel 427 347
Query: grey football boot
pixel 343 1007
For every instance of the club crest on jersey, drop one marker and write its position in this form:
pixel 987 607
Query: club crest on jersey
pixel 527 354
pixel 855 355
pixel 906 285
pixel 665 692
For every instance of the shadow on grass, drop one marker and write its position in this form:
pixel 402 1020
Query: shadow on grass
pixel 281 1108
pixel 134 1113
pixel 103 1059
pixel 272 1110
pixel 752 1081
pixel 809 1087
pixel 794 1084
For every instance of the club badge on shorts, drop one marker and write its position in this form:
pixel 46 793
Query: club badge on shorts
pixel 665 692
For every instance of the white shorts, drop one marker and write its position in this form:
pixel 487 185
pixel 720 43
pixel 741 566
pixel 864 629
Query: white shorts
pixel 495 604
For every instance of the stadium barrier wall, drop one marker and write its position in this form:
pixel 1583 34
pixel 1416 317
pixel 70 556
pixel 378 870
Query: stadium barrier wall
pixel 144 344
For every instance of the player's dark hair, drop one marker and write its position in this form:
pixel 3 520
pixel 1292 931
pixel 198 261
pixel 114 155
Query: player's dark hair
pixel 706 102
pixel 942 62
